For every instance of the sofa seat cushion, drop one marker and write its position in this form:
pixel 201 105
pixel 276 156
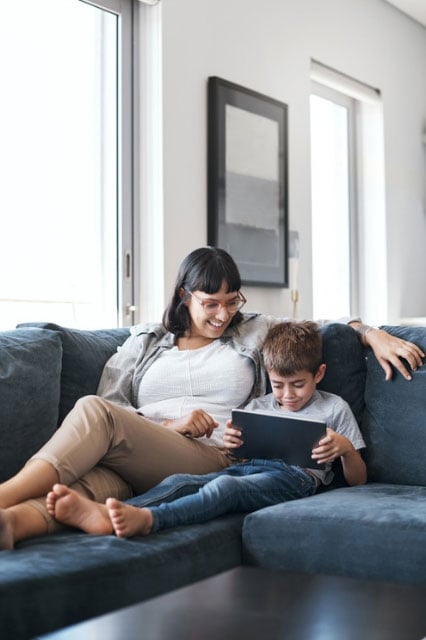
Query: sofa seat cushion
pixel 84 355
pixel 30 367
pixel 394 421
pixel 59 580
pixel 371 531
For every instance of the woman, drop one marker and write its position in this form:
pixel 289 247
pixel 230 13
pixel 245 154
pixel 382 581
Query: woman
pixel 163 399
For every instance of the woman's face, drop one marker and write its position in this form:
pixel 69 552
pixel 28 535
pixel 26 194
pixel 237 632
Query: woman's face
pixel 211 313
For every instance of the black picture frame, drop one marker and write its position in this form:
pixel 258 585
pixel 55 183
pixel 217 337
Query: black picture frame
pixel 247 181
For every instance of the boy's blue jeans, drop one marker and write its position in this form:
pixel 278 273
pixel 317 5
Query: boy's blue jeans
pixel 184 498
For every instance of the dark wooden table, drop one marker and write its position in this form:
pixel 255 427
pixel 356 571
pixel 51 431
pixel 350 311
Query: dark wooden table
pixel 249 603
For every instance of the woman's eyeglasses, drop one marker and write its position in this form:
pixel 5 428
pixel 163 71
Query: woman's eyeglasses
pixel 211 306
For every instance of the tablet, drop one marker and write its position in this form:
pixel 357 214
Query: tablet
pixel 271 435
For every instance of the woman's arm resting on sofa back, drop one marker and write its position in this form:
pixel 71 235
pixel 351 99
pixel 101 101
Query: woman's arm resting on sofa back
pixel 389 349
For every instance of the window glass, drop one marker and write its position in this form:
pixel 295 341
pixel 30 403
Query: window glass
pixel 59 191
pixel 330 171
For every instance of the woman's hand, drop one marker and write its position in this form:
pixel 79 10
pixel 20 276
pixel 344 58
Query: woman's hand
pixel 231 436
pixel 389 349
pixel 195 425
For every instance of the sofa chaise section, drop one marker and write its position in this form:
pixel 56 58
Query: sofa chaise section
pixel 375 531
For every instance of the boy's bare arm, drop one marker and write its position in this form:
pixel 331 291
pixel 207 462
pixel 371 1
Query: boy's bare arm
pixel 333 446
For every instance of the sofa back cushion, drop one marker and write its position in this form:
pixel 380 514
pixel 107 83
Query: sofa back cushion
pixel 345 360
pixel 394 422
pixel 30 367
pixel 84 355
pixel 345 374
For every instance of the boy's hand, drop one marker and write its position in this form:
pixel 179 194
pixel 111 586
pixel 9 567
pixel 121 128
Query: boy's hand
pixel 231 436
pixel 332 446
pixel 195 425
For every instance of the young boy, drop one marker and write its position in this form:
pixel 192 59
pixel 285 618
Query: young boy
pixel 292 355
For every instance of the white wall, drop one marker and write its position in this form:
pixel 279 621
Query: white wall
pixel 267 45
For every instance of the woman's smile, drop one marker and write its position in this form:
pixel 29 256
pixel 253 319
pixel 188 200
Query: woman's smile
pixel 204 323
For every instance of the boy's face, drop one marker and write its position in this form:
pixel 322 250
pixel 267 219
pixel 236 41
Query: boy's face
pixel 293 392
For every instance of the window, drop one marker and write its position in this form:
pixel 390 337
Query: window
pixel 66 200
pixel 348 198
pixel 333 202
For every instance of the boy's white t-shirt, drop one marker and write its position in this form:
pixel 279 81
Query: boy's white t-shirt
pixel 322 406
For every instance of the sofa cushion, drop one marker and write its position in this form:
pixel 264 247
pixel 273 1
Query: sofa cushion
pixel 55 581
pixel 30 367
pixel 345 359
pixel 372 531
pixel 394 423
pixel 84 356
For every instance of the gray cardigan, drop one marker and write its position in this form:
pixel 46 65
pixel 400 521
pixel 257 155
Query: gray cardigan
pixel 123 372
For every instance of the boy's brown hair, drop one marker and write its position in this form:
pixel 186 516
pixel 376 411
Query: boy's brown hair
pixel 292 346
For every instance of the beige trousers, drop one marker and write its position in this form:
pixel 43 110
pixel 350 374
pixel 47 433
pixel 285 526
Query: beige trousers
pixel 103 449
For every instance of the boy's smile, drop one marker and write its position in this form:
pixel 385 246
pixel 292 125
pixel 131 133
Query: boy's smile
pixel 294 392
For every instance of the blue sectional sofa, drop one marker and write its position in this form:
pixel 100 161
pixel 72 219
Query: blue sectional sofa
pixel 376 531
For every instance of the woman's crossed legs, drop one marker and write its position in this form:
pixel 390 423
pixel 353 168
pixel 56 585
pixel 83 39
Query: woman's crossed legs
pixel 134 454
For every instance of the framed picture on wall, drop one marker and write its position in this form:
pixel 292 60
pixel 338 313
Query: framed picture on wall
pixel 247 181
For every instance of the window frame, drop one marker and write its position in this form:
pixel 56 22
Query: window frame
pixel 349 103
pixel 127 294
pixel 114 263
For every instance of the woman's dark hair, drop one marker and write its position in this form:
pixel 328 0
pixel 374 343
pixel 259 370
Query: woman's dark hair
pixel 204 269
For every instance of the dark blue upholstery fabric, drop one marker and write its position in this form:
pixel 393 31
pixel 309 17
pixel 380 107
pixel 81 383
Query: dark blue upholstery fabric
pixel 345 374
pixel 84 356
pixel 394 424
pixel 371 531
pixel 47 583
pixel 345 359
pixel 30 366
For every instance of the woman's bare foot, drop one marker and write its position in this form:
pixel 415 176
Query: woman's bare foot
pixel 7 539
pixel 70 508
pixel 127 520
